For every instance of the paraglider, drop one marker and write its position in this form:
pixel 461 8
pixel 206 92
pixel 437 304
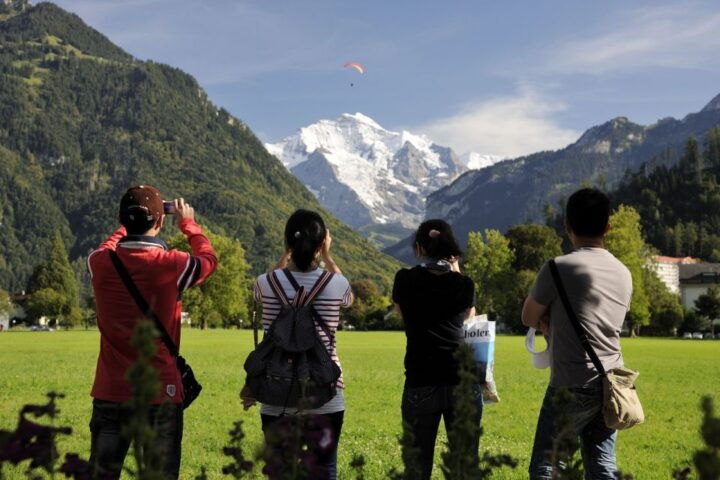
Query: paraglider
pixel 357 67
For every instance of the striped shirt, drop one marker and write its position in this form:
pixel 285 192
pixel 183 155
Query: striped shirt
pixel 336 295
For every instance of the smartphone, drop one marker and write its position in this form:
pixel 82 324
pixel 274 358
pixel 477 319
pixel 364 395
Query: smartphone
pixel 169 208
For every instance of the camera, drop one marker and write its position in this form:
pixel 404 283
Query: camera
pixel 169 208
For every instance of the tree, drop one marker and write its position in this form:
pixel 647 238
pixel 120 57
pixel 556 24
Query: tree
pixel 53 288
pixel 489 263
pixel 625 241
pixel 708 305
pixel 533 245
pixel 666 311
pixel 46 302
pixel 222 300
pixel 371 310
pixel 517 288
pixel 694 322
pixel 6 305
pixel 693 159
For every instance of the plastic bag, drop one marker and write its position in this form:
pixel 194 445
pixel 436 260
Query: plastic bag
pixel 479 333
pixel 538 359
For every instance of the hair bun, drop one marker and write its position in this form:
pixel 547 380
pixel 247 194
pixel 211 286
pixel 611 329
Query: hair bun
pixel 434 233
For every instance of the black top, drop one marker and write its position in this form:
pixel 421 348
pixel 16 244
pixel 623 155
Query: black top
pixel 433 306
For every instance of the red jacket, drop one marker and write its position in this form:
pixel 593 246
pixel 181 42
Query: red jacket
pixel 161 275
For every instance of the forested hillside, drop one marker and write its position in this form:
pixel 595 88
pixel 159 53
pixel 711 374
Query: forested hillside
pixel 679 205
pixel 81 120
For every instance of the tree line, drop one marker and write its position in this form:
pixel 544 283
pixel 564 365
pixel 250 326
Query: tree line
pixel 502 266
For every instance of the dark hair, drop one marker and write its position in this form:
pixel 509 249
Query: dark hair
pixel 304 233
pixel 137 225
pixel 440 245
pixel 588 212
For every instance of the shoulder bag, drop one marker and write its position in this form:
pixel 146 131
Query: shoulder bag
pixel 621 404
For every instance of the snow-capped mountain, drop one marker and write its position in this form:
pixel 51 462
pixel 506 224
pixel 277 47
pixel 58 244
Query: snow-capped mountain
pixel 368 175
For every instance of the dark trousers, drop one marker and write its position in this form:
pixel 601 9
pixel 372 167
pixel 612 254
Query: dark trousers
pixel 108 445
pixel 328 460
pixel 422 408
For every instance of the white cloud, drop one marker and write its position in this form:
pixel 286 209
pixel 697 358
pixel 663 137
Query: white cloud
pixel 672 36
pixel 511 126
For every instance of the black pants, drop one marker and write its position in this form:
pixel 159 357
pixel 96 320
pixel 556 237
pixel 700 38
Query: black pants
pixel 422 408
pixel 329 460
pixel 109 446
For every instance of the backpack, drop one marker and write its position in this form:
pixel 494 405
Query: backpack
pixel 291 366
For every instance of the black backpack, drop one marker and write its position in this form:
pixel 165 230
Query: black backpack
pixel 291 363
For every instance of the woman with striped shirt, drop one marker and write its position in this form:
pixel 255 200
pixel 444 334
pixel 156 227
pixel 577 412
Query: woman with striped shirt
pixel 307 244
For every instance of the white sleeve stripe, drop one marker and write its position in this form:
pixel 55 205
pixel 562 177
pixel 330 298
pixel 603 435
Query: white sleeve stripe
pixel 88 261
pixel 191 276
pixel 182 275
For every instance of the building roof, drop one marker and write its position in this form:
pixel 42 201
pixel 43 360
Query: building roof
pixel 700 273
pixel 675 260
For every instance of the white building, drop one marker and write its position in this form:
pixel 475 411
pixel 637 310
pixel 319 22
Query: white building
pixel 668 269
pixel 695 279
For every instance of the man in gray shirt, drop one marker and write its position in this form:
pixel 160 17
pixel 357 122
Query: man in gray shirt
pixel 599 288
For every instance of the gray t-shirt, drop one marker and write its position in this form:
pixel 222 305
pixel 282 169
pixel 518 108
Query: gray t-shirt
pixel 599 287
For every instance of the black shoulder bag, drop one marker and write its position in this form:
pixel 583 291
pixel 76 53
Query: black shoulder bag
pixel 191 387
pixel 621 404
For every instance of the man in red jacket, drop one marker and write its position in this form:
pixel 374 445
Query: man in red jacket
pixel 161 276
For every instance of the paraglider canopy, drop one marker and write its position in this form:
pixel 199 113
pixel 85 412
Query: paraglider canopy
pixel 356 66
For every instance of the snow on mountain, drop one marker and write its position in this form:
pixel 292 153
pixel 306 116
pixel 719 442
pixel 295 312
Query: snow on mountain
pixel 366 174
pixel 476 161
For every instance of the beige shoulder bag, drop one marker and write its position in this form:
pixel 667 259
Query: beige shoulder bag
pixel 621 404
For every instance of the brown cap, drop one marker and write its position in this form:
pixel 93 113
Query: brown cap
pixel 141 205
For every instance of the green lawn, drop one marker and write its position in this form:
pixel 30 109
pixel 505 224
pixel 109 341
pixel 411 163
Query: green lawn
pixel 674 375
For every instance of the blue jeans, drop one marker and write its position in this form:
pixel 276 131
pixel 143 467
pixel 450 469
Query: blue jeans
pixel 597 441
pixel 422 408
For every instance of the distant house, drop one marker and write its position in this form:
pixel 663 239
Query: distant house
pixel 668 269
pixel 695 279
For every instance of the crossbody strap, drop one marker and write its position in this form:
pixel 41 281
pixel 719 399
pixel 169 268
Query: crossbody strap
pixel 579 329
pixel 141 303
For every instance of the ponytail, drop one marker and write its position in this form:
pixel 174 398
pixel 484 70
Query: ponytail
pixel 304 234
pixel 437 240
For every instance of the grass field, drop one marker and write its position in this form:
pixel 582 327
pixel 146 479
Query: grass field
pixel 674 375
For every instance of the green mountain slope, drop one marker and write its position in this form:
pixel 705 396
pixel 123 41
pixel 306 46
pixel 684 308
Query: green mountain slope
pixel 81 120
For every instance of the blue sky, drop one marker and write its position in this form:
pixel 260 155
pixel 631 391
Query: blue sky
pixel 496 77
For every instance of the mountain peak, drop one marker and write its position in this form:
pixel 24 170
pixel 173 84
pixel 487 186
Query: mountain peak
pixel 613 136
pixel 360 118
pixel 714 104
pixel 387 173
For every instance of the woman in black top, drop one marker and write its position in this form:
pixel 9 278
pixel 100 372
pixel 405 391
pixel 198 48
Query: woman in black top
pixel 434 299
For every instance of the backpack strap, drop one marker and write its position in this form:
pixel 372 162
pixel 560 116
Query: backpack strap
pixel 308 297
pixel 300 293
pixel 277 288
pixel 291 279
pixel 303 296
pixel 319 286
